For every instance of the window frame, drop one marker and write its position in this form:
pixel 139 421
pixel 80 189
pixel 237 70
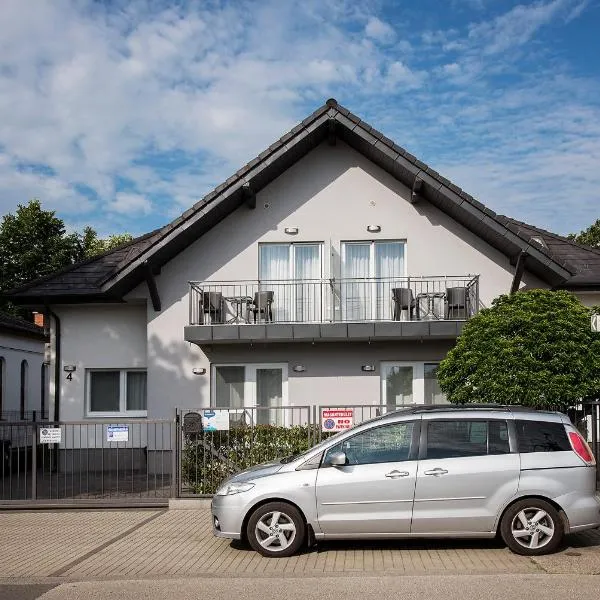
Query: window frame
pixel 122 412
pixel 425 430
pixel 418 380
pixel 413 452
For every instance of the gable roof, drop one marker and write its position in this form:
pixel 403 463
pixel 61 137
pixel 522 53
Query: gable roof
pixel 115 273
pixel 18 326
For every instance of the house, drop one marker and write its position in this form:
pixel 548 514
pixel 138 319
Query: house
pixel 335 268
pixel 23 372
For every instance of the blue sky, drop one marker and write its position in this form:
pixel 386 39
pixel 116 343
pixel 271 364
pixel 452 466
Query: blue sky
pixel 121 114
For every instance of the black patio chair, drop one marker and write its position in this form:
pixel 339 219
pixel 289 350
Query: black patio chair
pixel 403 301
pixel 211 304
pixel 456 303
pixel 262 305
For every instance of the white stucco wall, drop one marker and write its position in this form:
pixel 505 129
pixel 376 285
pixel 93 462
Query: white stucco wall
pixel 111 336
pixel 589 298
pixel 14 349
pixel 331 195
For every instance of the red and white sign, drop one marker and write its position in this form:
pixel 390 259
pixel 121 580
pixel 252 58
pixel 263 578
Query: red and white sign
pixel 336 419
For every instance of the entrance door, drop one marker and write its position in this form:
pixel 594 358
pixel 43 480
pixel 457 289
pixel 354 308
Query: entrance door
pixel 254 393
pixel 373 493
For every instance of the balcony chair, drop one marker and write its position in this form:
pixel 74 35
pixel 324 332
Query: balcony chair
pixel 211 304
pixel 262 305
pixel 403 301
pixel 456 303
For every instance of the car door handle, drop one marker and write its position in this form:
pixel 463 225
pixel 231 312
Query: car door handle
pixel 397 474
pixel 436 472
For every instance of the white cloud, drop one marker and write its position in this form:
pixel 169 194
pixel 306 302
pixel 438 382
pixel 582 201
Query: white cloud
pixel 399 76
pixel 380 31
pixel 130 204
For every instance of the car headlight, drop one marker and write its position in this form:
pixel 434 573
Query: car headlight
pixel 234 488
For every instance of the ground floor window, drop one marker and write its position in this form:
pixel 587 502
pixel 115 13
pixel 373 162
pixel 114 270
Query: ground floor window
pixel 254 393
pixel 408 383
pixel 116 392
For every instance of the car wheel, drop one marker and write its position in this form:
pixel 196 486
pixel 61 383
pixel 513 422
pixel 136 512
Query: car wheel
pixel 532 527
pixel 276 529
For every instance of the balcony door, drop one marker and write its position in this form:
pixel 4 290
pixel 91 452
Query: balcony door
pixel 370 271
pixel 293 273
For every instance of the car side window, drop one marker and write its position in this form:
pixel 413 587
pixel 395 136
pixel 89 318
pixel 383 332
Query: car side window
pixel 460 438
pixel 541 436
pixel 388 443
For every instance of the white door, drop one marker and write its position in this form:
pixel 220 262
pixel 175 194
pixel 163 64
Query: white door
pixel 293 272
pixel 371 270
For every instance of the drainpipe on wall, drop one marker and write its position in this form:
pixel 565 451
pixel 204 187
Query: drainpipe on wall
pixel 56 363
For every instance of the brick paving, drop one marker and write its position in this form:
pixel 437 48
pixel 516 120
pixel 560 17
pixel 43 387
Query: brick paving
pixel 137 544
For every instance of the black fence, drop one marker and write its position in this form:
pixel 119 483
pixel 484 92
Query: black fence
pixel 124 460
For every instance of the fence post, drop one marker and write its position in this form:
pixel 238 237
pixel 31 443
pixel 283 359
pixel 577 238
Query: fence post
pixel 34 461
pixel 175 457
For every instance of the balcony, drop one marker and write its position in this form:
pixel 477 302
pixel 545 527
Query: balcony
pixel 331 309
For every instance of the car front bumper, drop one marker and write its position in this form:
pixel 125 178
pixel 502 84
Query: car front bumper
pixel 228 516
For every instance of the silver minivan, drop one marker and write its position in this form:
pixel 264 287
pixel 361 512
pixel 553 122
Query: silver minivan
pixel 430 471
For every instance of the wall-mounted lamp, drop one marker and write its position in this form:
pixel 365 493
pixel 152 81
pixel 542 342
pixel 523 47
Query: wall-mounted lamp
pixel 69 368
pixel 373 228
pixel 199 371
pixel 368 368
pixel 299 369
pixel 291 230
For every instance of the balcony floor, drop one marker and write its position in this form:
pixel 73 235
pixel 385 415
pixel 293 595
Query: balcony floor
pixel 322 332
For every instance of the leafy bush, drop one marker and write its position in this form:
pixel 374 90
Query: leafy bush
pixel 212 456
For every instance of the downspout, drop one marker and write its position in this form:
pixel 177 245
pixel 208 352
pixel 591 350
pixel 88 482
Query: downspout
pixel 56 363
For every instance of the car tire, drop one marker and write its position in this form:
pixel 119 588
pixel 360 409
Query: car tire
pixel 532 527
pixel 276 529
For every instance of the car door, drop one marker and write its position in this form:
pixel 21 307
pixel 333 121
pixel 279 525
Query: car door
pixel 466 474
pixel 373 493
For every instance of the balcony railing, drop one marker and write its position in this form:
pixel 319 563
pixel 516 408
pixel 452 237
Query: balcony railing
pixel 334 300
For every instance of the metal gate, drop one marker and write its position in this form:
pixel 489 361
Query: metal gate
pixel 104 461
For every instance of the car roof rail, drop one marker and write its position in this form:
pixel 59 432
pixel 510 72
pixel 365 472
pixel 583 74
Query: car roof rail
pixel 468 406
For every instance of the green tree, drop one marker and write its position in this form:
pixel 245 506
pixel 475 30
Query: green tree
pixel 92 245
pixel 589 236
pixel 534 348
pixel 34 242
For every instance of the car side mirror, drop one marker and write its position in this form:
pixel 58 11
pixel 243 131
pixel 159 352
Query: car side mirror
pixel 337 459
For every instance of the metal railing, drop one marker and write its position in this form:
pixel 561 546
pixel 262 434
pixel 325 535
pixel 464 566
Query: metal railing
pixel 31 416
pixel 334 300
pixel 101 460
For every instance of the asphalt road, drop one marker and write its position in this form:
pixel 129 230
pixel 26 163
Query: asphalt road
pixel 453 587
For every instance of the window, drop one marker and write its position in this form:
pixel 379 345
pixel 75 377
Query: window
pixel 389 443
pixel 454 439
pixel 255 393
pixel 24 382
pixel 113 392
pixel 293 273
pixel 408 383
pixel 540 436
pixel 433 391
pixel 369 270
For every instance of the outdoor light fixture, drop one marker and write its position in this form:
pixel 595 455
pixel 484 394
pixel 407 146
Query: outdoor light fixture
pixel 299 369
pixel 291 230
pixel 374 228
pixel 199 371
pixel 368 368
pixel 69 368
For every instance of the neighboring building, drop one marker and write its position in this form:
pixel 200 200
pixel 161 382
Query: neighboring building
pixel 23 373
pixel 333 269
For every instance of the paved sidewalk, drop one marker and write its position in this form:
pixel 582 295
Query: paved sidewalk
pixel 84 545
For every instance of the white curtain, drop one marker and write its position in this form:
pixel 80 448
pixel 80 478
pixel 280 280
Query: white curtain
pixel 269 394
pixel 273 270
pixel 308 273
pixel 355 296
pixel 389 270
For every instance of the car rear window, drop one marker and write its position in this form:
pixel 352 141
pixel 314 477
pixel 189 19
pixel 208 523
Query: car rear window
pixel 541 436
